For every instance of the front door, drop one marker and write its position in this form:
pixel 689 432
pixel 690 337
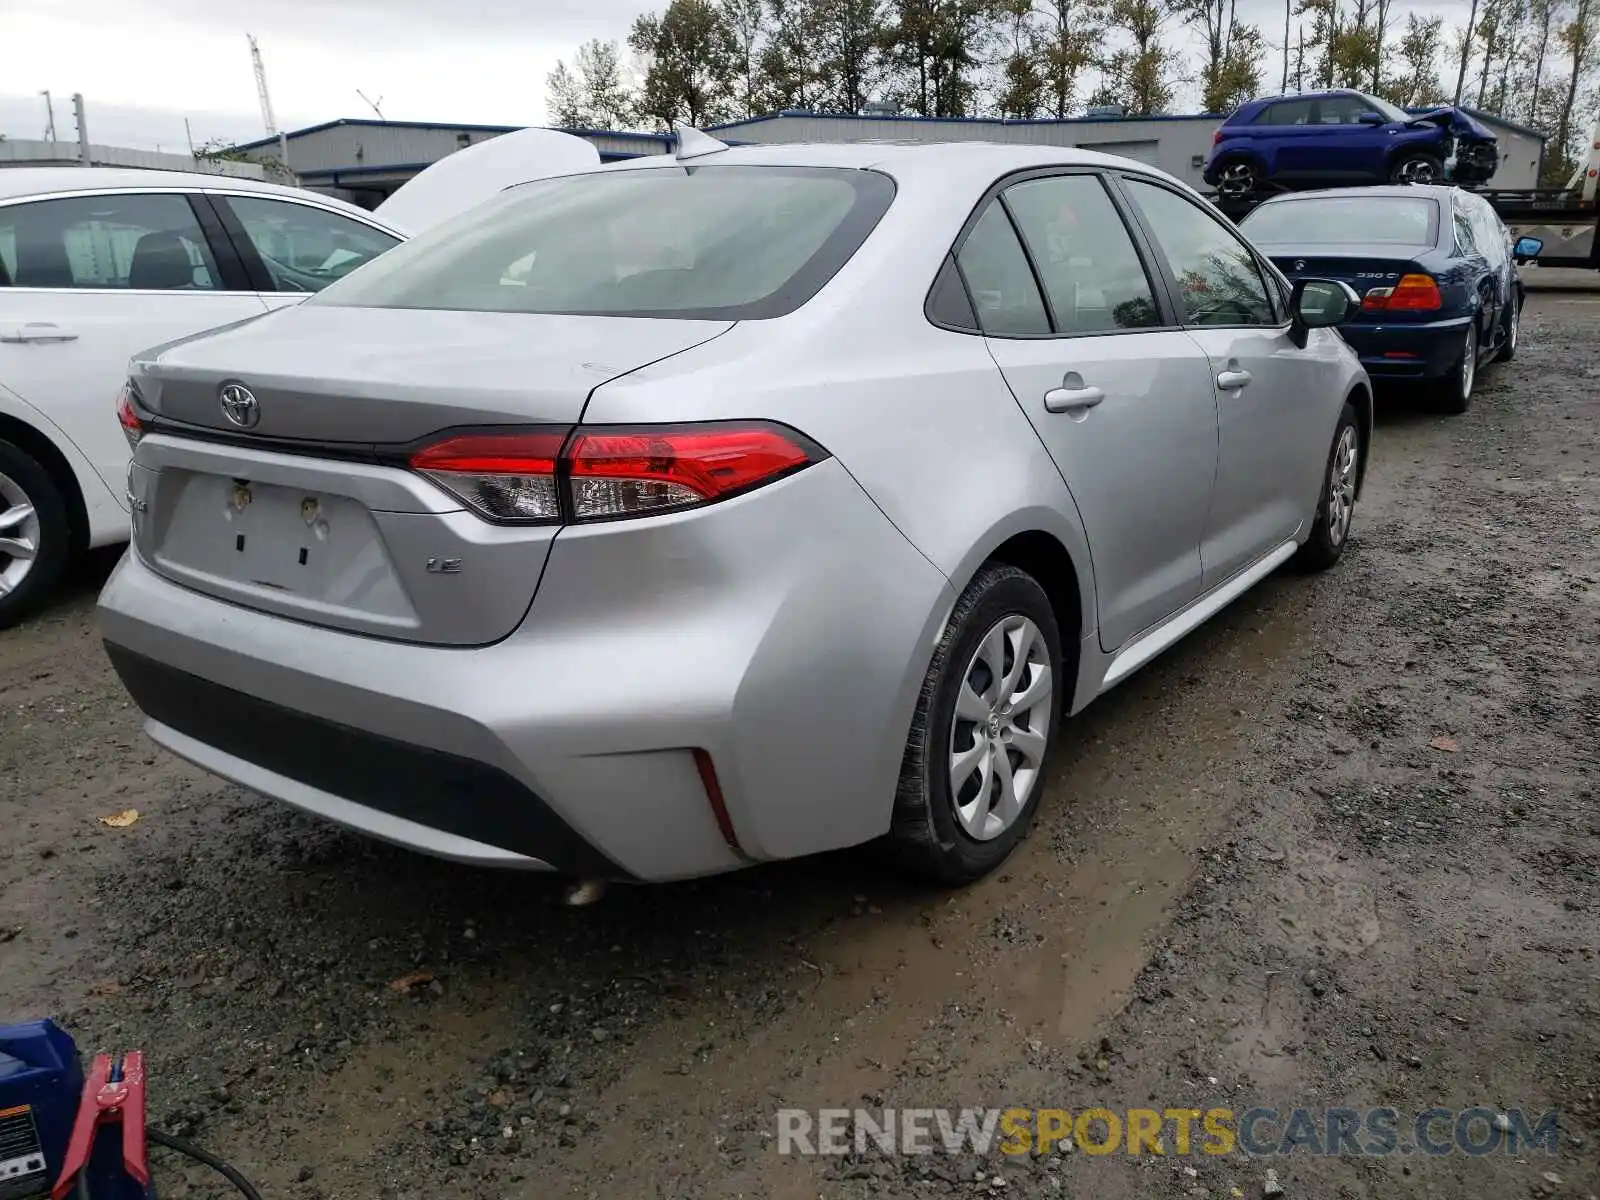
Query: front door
pixel 1122 401
pixel 1273 432
pixel 94 279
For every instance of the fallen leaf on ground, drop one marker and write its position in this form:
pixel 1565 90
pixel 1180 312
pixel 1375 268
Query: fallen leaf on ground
pixel 1448 744
pixel 121 820
pixel 414 980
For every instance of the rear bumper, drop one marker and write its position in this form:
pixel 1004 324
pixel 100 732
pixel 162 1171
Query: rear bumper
pixel 784 632
pixel 1408 351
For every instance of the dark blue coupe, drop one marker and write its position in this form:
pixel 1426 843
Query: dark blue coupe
pixel 1434 266
pixel 1322 139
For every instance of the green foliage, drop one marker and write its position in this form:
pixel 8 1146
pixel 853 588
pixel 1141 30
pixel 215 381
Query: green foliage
pixel 693 58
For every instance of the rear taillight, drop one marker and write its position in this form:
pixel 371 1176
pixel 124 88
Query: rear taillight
pixel 1216 136
pixel 628 473
pixel 504 476
pixel 1414 293
pixel 128 416
pixel 601 473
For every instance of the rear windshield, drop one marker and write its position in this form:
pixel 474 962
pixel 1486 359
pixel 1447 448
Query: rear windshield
pixel 719 243
pixel 1346 220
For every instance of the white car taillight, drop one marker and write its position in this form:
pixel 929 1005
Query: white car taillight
pixel 600 473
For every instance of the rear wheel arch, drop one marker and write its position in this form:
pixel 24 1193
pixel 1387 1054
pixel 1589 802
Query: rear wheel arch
pixel 44 451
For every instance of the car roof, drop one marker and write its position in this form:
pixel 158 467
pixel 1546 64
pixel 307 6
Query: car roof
pixel 1430 191
pixel 905 159
pixel 19 182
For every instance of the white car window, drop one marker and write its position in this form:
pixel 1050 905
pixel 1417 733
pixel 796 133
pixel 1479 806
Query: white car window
pixel 142 243
pixel 304 248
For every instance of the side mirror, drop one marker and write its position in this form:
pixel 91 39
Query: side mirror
pixel 1527 247
pixel 1371 118
pixel 1319 304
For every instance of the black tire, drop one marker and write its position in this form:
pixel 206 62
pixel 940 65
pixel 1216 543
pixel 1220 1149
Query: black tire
pixel 926 835
pixel 53 540
pixel 1416 166
pixel 1455 388
pixel 1511 331
pixel 1326 544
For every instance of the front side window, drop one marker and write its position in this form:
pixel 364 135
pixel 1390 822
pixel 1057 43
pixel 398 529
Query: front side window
pixel 721 243
pixel 1084 254
pixel 1219 282
pixel 304 249
pixel 999 279
pixel 139 243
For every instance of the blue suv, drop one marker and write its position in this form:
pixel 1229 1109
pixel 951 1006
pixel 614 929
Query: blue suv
pixel 1318 139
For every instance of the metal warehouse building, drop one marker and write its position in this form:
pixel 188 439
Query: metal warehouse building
pixel 366 160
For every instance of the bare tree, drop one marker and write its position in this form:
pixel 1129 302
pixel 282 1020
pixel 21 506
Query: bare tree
pixel 1578 38
pixel 747 21
pixel 1466 51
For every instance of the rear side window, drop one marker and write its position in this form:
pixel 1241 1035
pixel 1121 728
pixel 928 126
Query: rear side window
pixel 1084 254
pixel 304 249
pixel 725 243
pixel 1287 112
pixel 999 279
pixel 1219 282
pixel 143 243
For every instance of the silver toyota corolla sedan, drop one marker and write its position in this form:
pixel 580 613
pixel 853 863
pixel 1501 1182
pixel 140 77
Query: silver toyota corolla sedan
pixel 726 507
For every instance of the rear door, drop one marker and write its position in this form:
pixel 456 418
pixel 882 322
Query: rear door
pixel 1299 141
pixel 1273 398
pixel 294 248
pixel 96 277
pixel 1120 397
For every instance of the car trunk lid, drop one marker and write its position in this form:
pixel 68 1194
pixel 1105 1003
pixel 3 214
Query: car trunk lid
pixel 1362 267
pixel 307 510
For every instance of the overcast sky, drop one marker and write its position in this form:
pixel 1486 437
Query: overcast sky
pixel 145 65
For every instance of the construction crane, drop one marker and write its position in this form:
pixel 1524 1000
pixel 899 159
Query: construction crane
pixel 267 119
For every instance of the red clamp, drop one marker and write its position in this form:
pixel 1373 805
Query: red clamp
pixel 112 1094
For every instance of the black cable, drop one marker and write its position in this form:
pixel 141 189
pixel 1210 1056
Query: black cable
pixel 204 1156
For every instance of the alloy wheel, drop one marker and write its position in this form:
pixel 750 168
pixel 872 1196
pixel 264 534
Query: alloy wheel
pixel 1000 729
pixel 1342 485
pixel 1469 363
pixel 1417 170
pixel 1237 179
pixel 19 535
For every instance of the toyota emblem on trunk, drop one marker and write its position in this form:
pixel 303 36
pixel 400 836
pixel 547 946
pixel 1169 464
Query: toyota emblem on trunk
pixel 240 406
pixel 1300 265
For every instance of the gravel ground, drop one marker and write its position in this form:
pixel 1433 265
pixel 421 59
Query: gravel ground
pixel 1341 847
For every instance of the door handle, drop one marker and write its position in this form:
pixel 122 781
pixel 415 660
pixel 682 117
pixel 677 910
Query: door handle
pixel 38 331
pixel 1072 395
pixel 1233 380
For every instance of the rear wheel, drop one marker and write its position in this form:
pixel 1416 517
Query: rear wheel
pixel 1416 167
pixel 1337 505
pixel 1455 389
pixel 1239 178
pixel 974 766
pixel 1510 331
pixel 34 534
